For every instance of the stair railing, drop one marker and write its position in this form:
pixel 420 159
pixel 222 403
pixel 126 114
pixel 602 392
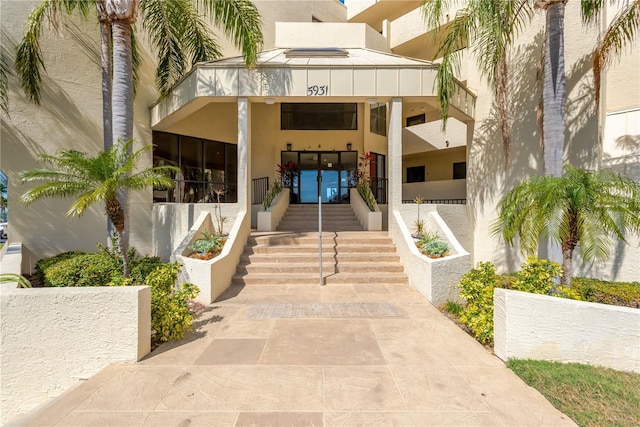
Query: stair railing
pixel 320 236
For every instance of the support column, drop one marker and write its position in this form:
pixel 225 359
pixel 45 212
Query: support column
pixel 394 140
pixel 244 154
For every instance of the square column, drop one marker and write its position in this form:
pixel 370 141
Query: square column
pixel 244 154
pixel 394 141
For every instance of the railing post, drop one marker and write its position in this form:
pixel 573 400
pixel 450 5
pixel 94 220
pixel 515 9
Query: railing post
pixel 320 236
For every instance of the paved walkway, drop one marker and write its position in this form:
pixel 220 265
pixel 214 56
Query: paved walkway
pixel 300 355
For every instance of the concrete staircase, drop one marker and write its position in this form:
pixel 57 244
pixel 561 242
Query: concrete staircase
pixel 305 218
pixel 291 257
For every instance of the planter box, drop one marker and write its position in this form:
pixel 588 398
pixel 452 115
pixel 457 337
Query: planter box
pixel 269 220
pixel 52 338
pixel 541 327
pixel 371 221
pixel 213 276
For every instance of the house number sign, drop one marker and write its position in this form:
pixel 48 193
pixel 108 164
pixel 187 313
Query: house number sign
pixel 316 90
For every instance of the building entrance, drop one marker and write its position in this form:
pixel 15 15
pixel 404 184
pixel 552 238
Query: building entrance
pixel 325 174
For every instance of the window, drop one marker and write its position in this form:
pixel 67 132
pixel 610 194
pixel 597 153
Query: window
pixel 415 174
pixel 460 170
pixel 318 116
pixel 416 120
pixel 378 122
pixel 206 167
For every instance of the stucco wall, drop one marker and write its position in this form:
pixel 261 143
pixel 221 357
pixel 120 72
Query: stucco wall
pixel 323 34
pixel 172 222
pixel 52 338
pixel 530 326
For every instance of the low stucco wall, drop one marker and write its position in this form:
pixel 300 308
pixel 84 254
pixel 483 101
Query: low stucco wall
pixel 434 278
pixel 269 220
pixel 531 326
pixel 370 221
pixel 214 276
pixel 52 338
pixel 434 190
pixel 171 222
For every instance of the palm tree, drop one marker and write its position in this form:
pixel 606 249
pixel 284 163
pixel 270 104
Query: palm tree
pixel 4 82
pixel 176 28
pixel 489 28
pixel 96 179
pixel 583 209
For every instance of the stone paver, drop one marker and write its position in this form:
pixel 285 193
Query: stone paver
pixel 414 369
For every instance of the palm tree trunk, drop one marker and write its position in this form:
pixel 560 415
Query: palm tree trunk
pixel 554 92
pixel 554 96
pixel 116 214
pixel 567 255
pixel 501 101
pixel 122 91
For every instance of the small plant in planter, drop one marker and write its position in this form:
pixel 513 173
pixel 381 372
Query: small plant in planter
pixel 436 249
pixel 208 246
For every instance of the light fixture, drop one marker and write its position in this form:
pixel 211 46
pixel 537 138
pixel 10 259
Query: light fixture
pixel 372 101
pixel 349 146
pixel 289 146
pixel 446 143
pixel 269 101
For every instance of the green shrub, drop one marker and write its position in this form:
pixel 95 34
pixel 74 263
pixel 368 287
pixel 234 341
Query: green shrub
pixel 367 195
pixel 43 264
pixel 453 308
pixel 210 243
pixel 427 236
pixel 436 248
pixel 96 269
pixel 476 288
pixel 271 195
pixel 626 294
pixel 141 267
pixel 170 314
pixel 537 276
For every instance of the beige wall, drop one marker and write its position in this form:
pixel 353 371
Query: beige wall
pixel 216 121
pixel 438 164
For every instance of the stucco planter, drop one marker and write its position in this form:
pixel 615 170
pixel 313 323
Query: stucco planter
pixel 52 338
pixel 370 221
pixel 541 327
pixel 213 276
pixel 269 220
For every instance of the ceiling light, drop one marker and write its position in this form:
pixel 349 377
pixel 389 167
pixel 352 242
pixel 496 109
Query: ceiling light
pixel 269 101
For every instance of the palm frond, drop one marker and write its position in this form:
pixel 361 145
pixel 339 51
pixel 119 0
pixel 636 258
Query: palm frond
pixel 620 33
pixel 19 279
pixel 161 21
pixel 590 10
pixel 29 64
pixel 241 23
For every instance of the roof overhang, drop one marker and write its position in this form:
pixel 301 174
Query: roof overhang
pixel 364 74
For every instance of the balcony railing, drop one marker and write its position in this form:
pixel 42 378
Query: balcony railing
pixel 260 187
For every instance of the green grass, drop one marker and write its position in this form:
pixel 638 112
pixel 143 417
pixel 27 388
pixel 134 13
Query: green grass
pixel 592 396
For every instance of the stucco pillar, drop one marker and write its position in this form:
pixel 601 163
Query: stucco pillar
pixel 394 140
pixel 244 154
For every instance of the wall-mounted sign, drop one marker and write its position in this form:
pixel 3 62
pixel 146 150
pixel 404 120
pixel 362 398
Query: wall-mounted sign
pixel 316 90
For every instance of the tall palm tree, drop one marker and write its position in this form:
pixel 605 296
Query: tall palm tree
pixel 177 29
pixel 488 27
pixel 96 179
pixel 581 209
pixel 4 82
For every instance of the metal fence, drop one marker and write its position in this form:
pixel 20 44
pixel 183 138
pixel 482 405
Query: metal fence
pixel 260 188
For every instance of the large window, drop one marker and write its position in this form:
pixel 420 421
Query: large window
pixel 415 174
pixel 460 170
pixel 319 116
pixel 378 119
pixel 208 168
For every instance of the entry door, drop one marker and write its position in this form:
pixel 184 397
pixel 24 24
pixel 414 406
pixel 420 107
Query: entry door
pixel 309 177
pixel 330 177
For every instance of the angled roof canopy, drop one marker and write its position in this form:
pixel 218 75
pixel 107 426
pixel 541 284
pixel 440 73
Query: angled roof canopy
pixel 311 75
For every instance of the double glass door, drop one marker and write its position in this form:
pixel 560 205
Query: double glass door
pixel 321 174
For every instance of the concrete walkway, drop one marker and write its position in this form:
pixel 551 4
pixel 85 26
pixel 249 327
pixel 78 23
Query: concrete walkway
pixel 301 355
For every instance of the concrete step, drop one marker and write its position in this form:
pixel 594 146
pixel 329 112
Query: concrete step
pixel 371 269
pixel 313 279
pixel 327 239
pixel 310 249
pixel 342 257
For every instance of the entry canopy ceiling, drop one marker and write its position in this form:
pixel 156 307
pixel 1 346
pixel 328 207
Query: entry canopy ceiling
pixel 361 74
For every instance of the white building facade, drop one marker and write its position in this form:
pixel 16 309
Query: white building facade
pixel 334 82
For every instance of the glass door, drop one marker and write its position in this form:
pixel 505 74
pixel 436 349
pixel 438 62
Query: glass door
pixel 308 177
pixel 330 179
